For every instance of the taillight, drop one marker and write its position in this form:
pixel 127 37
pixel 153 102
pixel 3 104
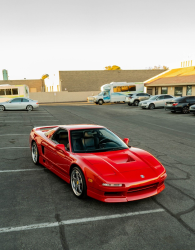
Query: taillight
pixel 175 104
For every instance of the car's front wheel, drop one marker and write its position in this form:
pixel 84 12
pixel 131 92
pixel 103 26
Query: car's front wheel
pixel 136 103
pixel 29 107
pixel 185 110
pixel 2 108
pixel 78 184
pixel 35 153
pixel 100 102
pixel 151 106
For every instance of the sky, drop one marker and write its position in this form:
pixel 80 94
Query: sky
pixel 44 36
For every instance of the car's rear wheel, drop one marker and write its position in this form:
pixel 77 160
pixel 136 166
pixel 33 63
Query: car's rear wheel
pixel 151 106
pixel 35 153
pixel 29 107
pixel 100 102
pixel 136 102
pixel 185 110
pixel 78 184
pixel 2 108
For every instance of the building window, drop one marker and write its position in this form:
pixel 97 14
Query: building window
pixel 189 90
pixel 164 90
pixel 178 91
pixel 156 90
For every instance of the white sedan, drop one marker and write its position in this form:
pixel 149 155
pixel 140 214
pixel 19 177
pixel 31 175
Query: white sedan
pixel 19 104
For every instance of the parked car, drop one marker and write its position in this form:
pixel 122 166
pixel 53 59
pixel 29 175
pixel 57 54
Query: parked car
pixel 156 101
pixel 19 104
pixel 181 104
pixel 136 98
pixel 192 109
pixel 97 163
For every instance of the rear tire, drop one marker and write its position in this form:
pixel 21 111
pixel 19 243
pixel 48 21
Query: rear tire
pixel 78 184
pixel 185 110
pixel 151 106
pixel 29 108
pixel 2 108
pixel 100 102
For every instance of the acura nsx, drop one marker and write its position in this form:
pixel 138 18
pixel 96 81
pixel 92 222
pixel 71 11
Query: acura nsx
pixel 97 163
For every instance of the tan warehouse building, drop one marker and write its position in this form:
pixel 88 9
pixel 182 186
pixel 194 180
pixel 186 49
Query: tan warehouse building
pixel 92 80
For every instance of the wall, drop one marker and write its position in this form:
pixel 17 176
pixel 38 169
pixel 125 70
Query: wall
pixel 65 96
pixel 171 90
pixel 33 83
pixel 75 81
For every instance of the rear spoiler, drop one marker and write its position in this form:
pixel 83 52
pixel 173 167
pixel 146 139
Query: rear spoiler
pixel 45 129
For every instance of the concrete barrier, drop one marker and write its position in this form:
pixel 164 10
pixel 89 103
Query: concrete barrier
pixel 64 96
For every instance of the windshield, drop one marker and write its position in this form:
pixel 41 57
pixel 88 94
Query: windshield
pixel 153 98
pixel 101 93
pixel 95 140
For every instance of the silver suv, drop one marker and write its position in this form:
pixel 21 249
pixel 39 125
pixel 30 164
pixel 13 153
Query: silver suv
pixel 156 101
pixel 136 98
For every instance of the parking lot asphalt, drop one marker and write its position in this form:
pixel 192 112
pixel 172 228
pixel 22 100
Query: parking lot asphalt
pixel 39 211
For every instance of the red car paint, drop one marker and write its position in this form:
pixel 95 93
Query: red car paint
pixel 127 166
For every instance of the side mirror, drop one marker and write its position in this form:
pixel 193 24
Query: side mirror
pixel 61 147
pixel 126 141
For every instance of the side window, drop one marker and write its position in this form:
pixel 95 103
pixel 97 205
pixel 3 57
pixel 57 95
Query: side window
pixel 2 92
pixel 16 100
pixel 8 91
pixel 25 100
pixel 161 97
pixel 139 95
pixel 168 96
pixel 61 137
pixel 14 91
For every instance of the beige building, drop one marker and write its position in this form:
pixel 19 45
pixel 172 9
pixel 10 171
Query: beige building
pixel 92 80
pixel 36 85
pixel 176 82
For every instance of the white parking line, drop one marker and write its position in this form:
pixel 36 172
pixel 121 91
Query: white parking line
pixel 76 221
pixel 15 147
pixel 13 134
pixel 19 170
pixel 31 121
pixel 168 128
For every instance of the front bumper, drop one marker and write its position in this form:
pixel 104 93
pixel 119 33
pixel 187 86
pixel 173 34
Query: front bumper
pixel 144 105
pixel 127 194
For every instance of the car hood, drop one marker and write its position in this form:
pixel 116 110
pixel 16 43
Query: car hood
pixel 126 164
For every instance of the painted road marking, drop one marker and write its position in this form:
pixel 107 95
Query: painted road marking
pixel 30 121
pixel 168 128
pixel 15 147
pixel 76 221
pixel 19 170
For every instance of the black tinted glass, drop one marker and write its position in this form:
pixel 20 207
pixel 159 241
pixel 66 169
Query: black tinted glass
pixel 180 99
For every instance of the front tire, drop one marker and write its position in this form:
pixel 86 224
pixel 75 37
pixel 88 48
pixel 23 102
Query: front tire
pixel 100 102
pixel 2 108
pixel 185 110
pixel 151 106
pixel 29 107
pixel 78 184
pixel 35 153
pixel 136 103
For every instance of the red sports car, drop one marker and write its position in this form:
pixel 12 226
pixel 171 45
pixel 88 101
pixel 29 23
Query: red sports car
pixel 97 163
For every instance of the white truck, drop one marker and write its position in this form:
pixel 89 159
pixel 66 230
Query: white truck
pixel 116 92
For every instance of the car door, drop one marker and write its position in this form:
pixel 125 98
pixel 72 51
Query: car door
pixel 63 159
pixel 14 104
pixel 159 101
pixel 25 102
pixel 190 100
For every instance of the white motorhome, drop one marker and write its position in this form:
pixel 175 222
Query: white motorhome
pixel 8 92
pixel 116 92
